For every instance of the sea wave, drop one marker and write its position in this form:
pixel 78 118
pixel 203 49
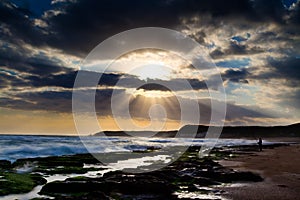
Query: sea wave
pixel 14 147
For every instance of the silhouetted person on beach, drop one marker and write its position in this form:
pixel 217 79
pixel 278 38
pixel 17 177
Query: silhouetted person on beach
pixel 260 144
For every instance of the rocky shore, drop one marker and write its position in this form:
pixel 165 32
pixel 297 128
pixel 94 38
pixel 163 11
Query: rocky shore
pixel 186 178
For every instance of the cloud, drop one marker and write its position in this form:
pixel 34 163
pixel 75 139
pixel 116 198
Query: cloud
pixel 56 101
pixel 15 20
pixel 235 48
pixel 255 41
pixel 174 85
pixel 27 62
pixel 75 32
pixel 286 68
pixel 61 101
pixel 73 26
pixel 236 75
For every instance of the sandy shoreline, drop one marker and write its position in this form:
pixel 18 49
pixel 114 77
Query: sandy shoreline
pixel 280 168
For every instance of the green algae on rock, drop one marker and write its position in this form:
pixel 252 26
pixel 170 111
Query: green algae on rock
pixel 13 183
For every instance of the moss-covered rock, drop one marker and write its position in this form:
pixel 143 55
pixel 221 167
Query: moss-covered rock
pixel 13 183
pixel 77 160
pixel 72 164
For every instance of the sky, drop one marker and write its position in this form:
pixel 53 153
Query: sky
pixel 255 45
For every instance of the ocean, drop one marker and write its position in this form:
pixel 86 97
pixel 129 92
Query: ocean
pixel 13 147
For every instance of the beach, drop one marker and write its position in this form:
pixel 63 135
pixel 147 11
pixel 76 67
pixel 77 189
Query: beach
pixel 280 168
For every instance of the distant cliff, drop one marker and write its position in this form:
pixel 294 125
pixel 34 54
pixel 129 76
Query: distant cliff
pixel 249 131
pixel 227 132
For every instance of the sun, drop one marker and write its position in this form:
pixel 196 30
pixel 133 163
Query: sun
pixel 146 64
pixel 152 71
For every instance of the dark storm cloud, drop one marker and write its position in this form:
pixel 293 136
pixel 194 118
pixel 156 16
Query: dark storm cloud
pixel 174 85
pixel 56 101
pixel 284 68
pixel 75 28
pixel 288 68
pixel 24 61
pixel 139 106
pixel 9 80
pixel 273 10
pixel 66 80
pixel 272 36
pixel 154 86
pixel 236 75
pixel 63 80
pixel 76 32
pixel 235 48
pixel 20 28
pixel 80 26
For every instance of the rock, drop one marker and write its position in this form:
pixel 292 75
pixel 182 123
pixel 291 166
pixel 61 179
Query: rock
pixel 111 187
pixel 139 184
pixel 65 187
pixel 5 164
pixel 186 174
pixel 13 183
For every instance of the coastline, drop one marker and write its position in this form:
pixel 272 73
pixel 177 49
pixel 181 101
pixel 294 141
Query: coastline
pixel 280 168
pixel 224 174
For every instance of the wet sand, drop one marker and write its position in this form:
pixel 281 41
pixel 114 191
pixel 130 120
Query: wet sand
pixel 280 168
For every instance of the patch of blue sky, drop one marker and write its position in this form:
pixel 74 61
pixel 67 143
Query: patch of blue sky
pixel 230 86
pixel 236 63
pixel 76 62
pixel 8 71
pixel 241 38
pixel 37 8
pixel 288 3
